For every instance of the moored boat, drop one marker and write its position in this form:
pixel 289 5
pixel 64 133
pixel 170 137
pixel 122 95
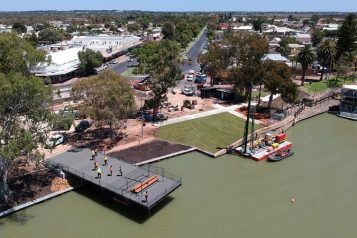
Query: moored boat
pixel 280 155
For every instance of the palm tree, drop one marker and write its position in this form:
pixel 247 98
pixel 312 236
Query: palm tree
pixel 305 58
pixel 326 54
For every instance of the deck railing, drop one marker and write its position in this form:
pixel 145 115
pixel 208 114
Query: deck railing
pixel 124 190
pixel 160 171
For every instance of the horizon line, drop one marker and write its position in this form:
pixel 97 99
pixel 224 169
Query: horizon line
pixel 172 11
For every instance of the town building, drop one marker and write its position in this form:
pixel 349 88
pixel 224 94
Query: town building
pixel 64 59
pixel 304 39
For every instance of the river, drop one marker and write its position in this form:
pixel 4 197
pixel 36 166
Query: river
pixel 226 197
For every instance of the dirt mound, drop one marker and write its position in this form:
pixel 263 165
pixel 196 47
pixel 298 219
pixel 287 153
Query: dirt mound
pixel 59 184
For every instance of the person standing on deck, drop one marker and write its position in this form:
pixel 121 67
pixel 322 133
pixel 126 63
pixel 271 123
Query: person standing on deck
pixel 99 171
pixel 93 155
pixel 120 172
pixel 105 160
pixel 110 171
pixel 146 194
pixel 95 165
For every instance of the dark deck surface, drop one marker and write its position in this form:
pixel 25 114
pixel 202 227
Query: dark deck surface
pixel 77 162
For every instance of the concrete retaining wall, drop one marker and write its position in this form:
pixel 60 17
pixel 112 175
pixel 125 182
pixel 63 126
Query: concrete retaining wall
pixel 34 202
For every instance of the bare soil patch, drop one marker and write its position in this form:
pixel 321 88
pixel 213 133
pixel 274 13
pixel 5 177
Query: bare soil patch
pixel 147 151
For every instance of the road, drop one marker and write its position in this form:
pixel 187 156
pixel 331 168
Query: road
pixel 122 66
pixel 193 53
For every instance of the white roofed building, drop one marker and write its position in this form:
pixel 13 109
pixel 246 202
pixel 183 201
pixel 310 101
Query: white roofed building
pixel 304 39
pixel 64 59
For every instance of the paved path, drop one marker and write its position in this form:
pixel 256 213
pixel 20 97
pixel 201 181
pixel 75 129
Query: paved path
pixel 219 109
pixel 318 109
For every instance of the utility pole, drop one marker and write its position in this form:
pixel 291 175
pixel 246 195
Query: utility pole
pixel 246 128
pixel 142 116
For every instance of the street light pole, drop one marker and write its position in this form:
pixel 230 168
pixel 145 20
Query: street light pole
pixel 142 116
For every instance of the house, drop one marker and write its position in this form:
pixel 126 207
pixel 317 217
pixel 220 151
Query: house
pixel 274 44
pixel 224 26
pixel 243 28
pixel 304 39
pixel 275 57
pixel 295 48
pixel 218 36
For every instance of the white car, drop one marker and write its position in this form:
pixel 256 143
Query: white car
pixel 188 91
pixel 189 77
pixel 54 141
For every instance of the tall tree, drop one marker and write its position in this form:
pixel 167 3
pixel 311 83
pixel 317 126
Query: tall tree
pixel 326 53
pixel 317 37
pixel 345 64
pixel 51 36
pixel 215 61
pixel 107 98
pixel 19 27
pixel 305 58
pixel 162 61
pixel 347 36
pixel 315 18
pixel 89 60
pixel 283 48
pixel 33 39
pixel 245 53
pixel 18 55
pixel 276 80
pixel 22 120
pixel 168 30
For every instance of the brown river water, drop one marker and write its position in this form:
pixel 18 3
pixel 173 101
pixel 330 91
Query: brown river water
pixel 225 197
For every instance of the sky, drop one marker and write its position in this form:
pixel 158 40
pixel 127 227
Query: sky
pixel 182 5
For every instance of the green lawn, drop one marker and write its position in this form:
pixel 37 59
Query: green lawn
pixel 256 94
pixel 208 133
pixel 129 72
pixel 322 86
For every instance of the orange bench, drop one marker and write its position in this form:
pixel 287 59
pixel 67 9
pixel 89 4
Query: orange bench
pixel 141 186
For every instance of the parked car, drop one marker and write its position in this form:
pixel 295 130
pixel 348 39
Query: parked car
pixel 83 125
pixel 188 91
pixel 200 80
pixel 54 140
pixel 189 77
pixel 140 86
